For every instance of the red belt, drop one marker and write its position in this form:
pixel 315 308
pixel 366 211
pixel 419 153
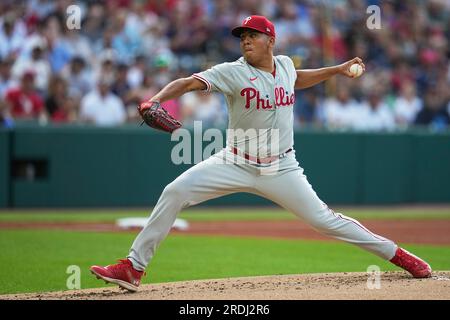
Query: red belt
pixel 259 160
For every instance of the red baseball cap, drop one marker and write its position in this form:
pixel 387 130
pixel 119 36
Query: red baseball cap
pixel 28 75
pixel 258 23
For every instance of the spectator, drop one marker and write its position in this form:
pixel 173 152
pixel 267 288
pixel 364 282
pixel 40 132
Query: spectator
pixel 58 104
pixel 36 37
pixel 101 106
pixel 121 88
pixel 5 116
pixel 188 31
pixel 93 25
pixel 147 88
pixel 104 44
pixel 40 8
pixel 138 20
pixel 136 72
pixel 201 106
pixel 375 114
pixel 145 91
pixel 434 113
pixel 60 52
pixel 25 102
pixel 402 74
pixel 67 112
pixel 78 78
pixel 6 80
pixel 106 66
pixel 38 64
pixel 407 105
pixel 57 93
pixel 307 107
pixel 154 39
pixel 294 27
pixel 79 45
pixel 125 41
pixel 342 111
pixel 11 34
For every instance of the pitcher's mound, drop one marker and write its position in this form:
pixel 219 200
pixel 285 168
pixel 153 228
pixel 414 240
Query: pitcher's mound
pixel 391 285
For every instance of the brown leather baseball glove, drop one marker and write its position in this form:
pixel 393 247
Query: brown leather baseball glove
pixel 157 117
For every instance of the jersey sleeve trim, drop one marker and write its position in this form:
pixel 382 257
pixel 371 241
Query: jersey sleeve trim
pixel 205 81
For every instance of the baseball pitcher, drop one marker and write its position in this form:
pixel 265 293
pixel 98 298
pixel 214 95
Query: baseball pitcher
pixel 259 90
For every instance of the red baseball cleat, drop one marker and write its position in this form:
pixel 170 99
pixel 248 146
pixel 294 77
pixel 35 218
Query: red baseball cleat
pixel 414 265
pixel 122 274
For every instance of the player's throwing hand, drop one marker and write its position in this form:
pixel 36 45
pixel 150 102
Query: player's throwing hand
pixel 344 68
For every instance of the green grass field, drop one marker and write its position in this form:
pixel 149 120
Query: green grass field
pixel 37 260
pixel 104 215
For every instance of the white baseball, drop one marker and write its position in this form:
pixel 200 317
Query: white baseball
pixel 356 69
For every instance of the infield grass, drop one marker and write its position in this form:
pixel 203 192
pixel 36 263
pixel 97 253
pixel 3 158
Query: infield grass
pixel 33 261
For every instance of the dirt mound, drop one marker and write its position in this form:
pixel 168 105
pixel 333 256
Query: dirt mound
pixel 393 285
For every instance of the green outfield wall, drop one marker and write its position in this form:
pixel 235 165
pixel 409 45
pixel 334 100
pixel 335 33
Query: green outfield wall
pixel 4 167
pixel 129 166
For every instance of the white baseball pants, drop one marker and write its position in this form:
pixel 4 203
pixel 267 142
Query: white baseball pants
pixel 282 182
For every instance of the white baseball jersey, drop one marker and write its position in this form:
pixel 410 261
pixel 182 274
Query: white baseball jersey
pixel 258 102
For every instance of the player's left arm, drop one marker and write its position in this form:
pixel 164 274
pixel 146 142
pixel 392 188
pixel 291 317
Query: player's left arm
pixel 309 77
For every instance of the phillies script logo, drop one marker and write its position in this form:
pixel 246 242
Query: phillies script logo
pixel 282 98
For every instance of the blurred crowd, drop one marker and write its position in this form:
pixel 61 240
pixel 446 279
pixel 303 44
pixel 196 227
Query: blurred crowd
pixel 124 51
